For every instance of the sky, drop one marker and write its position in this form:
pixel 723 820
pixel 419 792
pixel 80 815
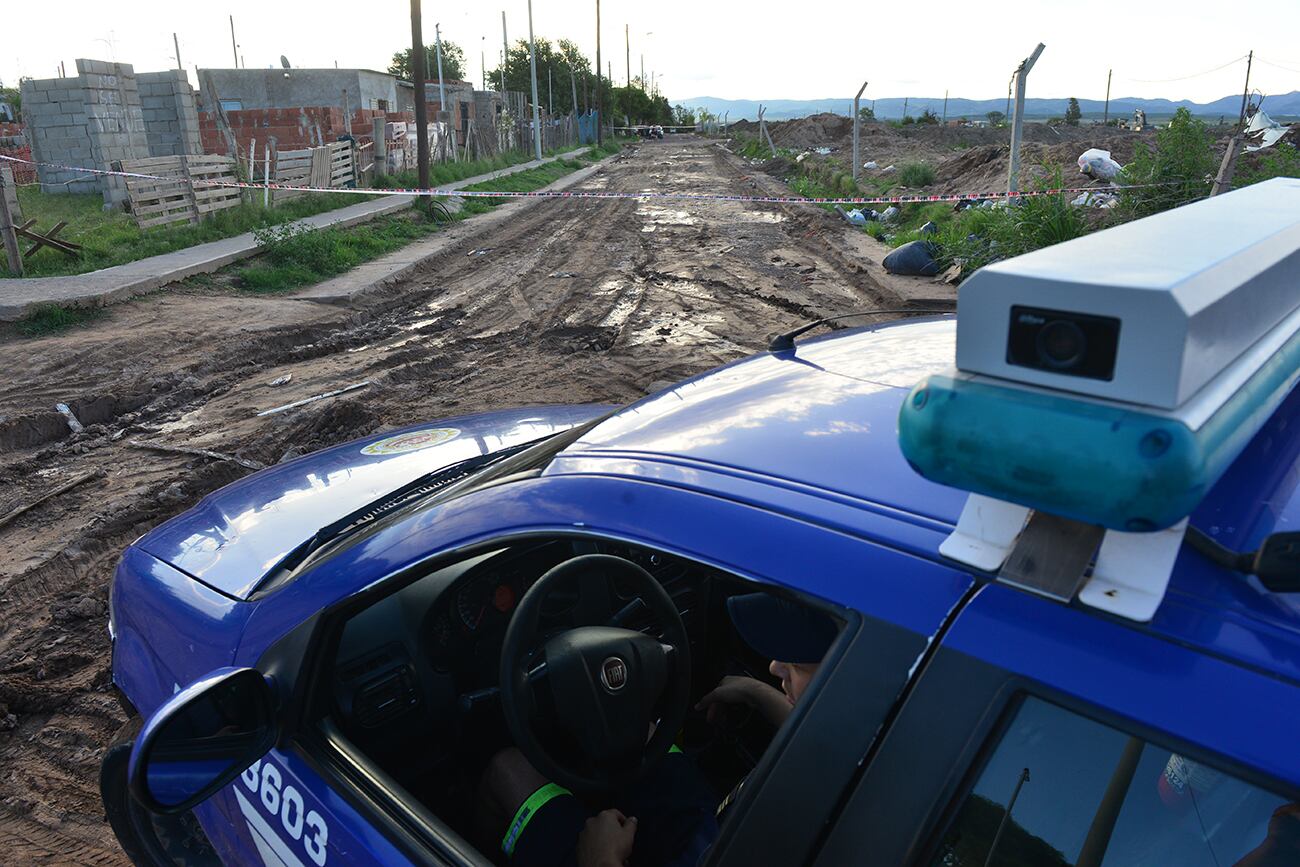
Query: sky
pixel 755 50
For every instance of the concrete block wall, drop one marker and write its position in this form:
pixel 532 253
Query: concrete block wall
pixel 91 120
pixel 171 118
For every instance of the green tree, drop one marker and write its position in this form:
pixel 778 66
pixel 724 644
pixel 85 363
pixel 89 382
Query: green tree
pixel 996 118
pixel 1072 112
pixel 453 63
pixel 928 116
pixel 1182 163
pixel 569 69
pixel 13 96
pixel 866 113
pixel 683 116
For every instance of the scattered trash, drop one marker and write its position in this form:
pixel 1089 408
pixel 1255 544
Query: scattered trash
pixel 914 259
pixel 1270 131
pixel 306 400
pixel 1096 163
pixel 560 275
pixel 73 424
pixel 1095 200
pixel 855 216
pixel 478 252
pixel 887 169
pixel 197 453
pixel 802 156
pixel 929 228
pixel 63 488
pixel 281 380
pixel 889 214
pixel 871 165
pixel 822 151
pixel 985 203
pixel 952 275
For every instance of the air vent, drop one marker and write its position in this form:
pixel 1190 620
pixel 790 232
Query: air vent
pixel 385 698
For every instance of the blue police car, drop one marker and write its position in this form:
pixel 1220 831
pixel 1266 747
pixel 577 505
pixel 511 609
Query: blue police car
pixel 1062 578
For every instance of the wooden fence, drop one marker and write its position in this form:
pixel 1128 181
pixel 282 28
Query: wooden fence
pixel 328 166
pixel 157 202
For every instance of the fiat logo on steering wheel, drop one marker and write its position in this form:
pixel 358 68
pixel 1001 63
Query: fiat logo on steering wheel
pixel 613 673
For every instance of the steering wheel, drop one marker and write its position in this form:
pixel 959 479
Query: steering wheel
pixel 605 682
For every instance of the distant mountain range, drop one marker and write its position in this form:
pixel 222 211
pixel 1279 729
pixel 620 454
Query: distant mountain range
pixel 1279 106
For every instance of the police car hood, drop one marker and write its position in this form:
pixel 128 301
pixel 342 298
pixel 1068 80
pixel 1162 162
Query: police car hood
pixel 823 416
pixel 236 535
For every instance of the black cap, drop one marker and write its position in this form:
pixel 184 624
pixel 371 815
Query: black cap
pixel 782 630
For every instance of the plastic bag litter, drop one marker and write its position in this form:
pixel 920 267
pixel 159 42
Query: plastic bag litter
pixel 886 170
pixel 913 259
pixel 1096 163
pixel 823 151
pixel 871 164
pixel 1094 200
pixel 802 156
pixel 855 216
pixel 929 228
pixel 888 214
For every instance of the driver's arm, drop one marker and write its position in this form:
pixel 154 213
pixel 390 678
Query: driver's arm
pixel 770 702
pixel 606 840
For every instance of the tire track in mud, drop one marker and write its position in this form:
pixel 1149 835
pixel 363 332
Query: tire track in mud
pixel 640 294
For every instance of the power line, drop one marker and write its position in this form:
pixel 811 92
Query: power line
pixel 1278 65
pixel 1186 77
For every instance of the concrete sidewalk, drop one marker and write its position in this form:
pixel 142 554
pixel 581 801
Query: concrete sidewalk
pixel 19 296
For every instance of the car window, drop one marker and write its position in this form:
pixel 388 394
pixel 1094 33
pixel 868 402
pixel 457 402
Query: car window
pixel 1060 789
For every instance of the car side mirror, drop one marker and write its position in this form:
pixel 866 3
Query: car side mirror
pixel 202 738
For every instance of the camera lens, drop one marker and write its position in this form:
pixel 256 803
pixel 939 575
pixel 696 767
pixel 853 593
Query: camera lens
pixel 1061 344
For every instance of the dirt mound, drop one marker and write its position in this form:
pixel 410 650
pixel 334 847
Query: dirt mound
pixel 818 130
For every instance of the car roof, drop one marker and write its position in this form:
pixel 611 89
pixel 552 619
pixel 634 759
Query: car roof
pixel 824 417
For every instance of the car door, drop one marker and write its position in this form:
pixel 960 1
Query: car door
pixel 1040 734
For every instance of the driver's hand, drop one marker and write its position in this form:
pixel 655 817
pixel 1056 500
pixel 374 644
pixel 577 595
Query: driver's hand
pixel 606 840
pixel 748 692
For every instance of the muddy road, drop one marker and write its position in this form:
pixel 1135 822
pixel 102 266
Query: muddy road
pixel 559 301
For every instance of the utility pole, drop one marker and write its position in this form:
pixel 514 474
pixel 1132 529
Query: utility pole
pixel 1223 180
pixel 442 91
pixel 505 55
pixel 905 107
pixel 643 73
pixel 532 63
pixel 1018 119
pixel 945 108
pixel 550 93
pixel 857 159
pixel 234 48
pixel 421 108
pixel 177 43
pixel 627 47
pixel 1024 778
pixel 1245 93
pixel 1105 115
pixel 1093 851
pixel 482 61
pixel 600 134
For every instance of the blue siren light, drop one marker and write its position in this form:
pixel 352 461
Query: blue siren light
pixel 1114 378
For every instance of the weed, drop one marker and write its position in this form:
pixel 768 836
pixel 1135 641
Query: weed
pixel 916 175
pixel 1182 162
pixel 1280 161
pixel 49 319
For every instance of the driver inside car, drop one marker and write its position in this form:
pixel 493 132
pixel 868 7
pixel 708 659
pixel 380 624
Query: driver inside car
pixel 670 816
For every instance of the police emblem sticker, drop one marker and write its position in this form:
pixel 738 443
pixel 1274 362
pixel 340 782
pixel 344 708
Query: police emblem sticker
pixel 411 441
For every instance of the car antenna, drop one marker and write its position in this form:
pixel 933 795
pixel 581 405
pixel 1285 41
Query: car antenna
pixel 785 340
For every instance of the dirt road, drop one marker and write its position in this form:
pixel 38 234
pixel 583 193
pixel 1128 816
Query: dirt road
pixel 567 301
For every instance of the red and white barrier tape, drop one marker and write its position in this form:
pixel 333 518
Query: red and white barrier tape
pixel 581 194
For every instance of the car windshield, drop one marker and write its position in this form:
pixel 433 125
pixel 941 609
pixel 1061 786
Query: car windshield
pixel 424 492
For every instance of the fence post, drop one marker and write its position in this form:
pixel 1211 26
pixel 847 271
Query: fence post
pixel 1018 119
pixel 188 184
pixel 381 147
pixel 12 252
pixel 857 160
pixel 266 175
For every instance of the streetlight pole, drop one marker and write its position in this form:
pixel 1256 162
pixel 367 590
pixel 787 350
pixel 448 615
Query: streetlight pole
pixel 532 63
pixel 997 836
pixel 421 109
pixel 442 91
pixel 505 55
pixel 600 132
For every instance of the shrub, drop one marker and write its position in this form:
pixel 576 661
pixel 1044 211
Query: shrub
pixel 1280 161
pixel 916 175
pixel 294 245
pixel 847 186
pixel 928 116
pixel 1182 162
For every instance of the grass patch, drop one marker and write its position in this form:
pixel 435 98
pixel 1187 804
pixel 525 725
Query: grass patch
pixel 916 175
pixel 111 238
pixel 441 174
pixel 50 319
pixel 297 256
